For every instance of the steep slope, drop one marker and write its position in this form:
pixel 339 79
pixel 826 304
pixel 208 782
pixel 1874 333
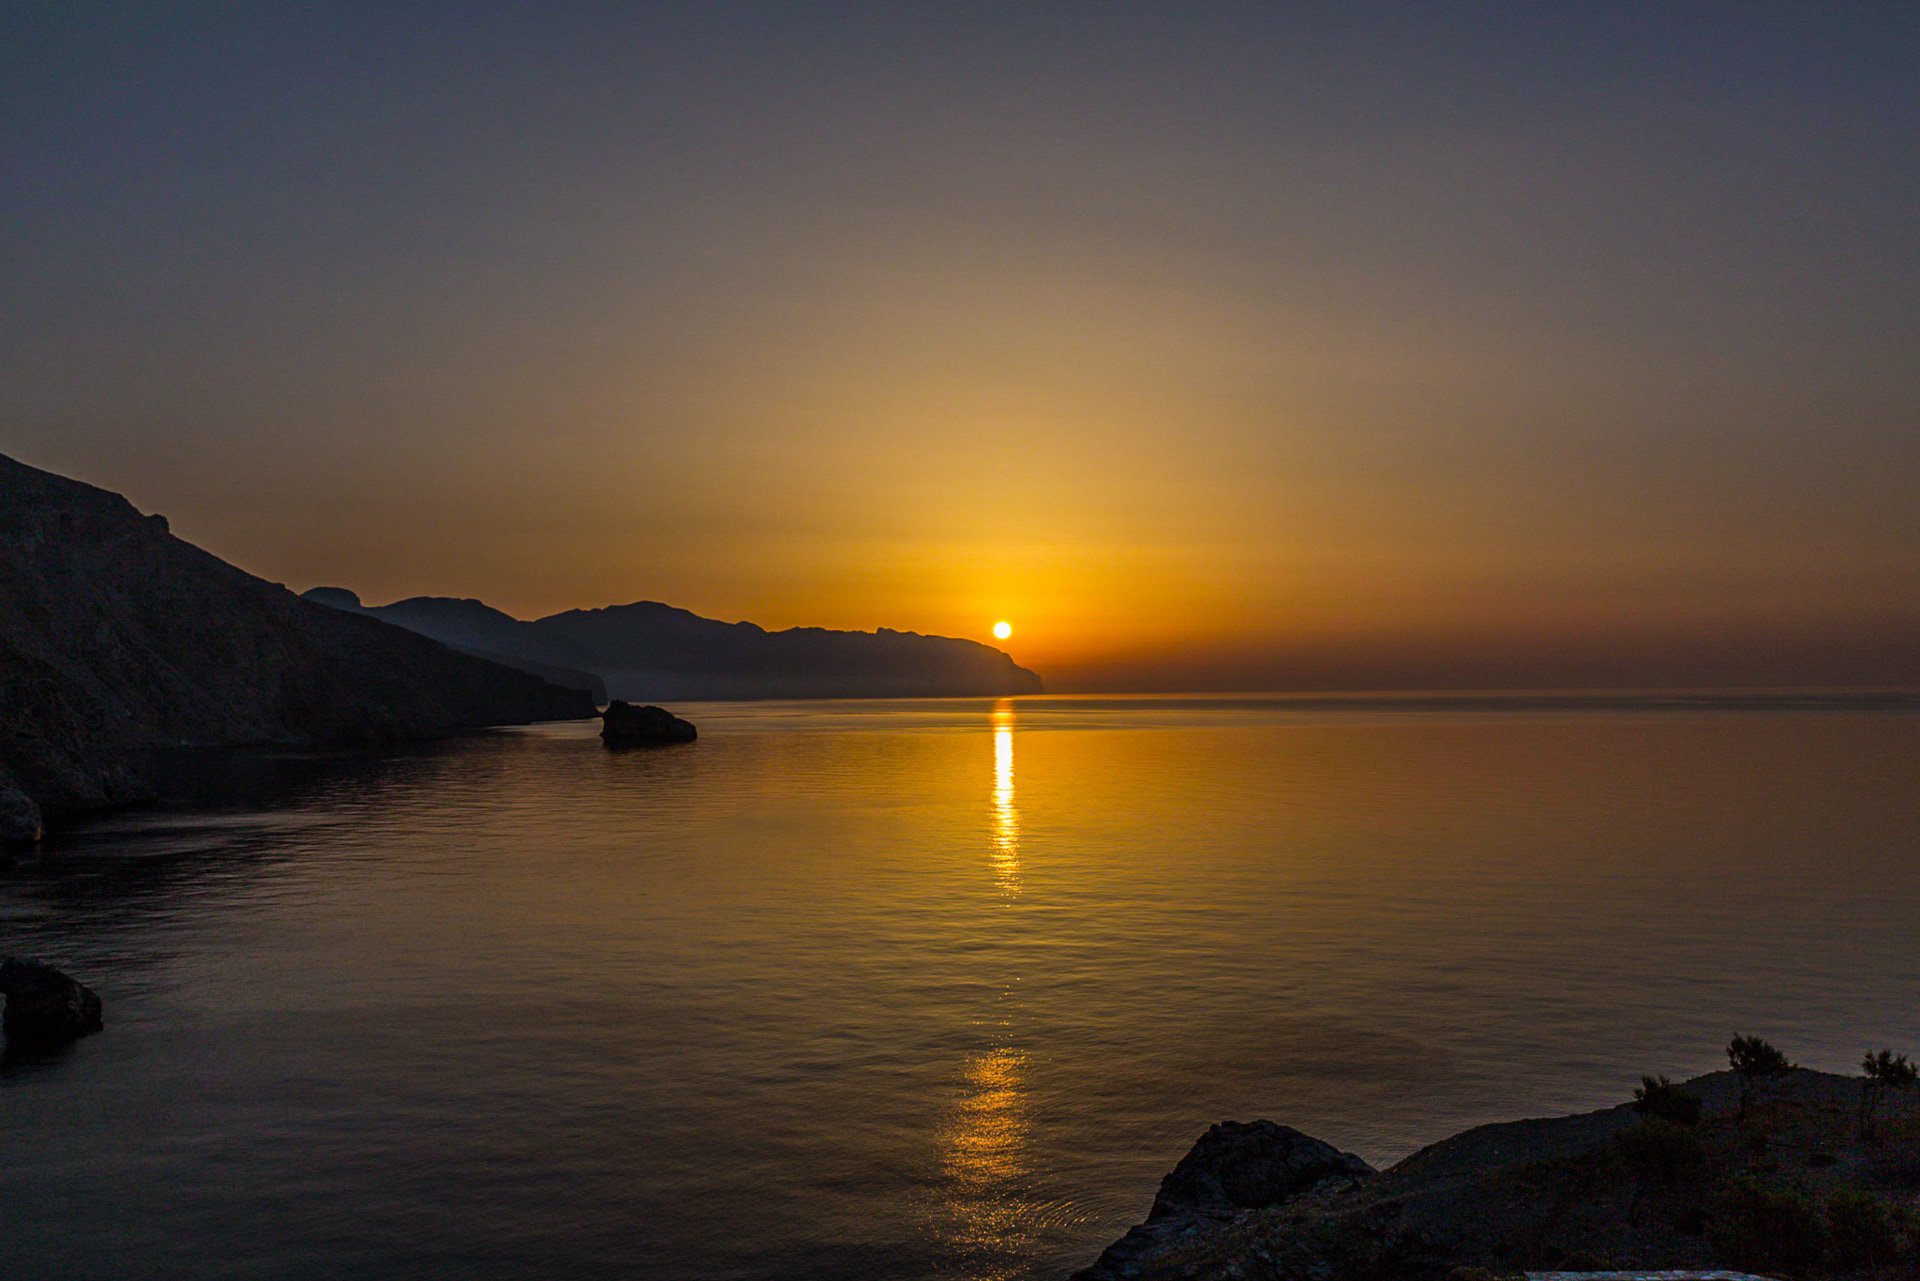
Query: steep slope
pixel 468 626
pixel 650 651
pixel 117 638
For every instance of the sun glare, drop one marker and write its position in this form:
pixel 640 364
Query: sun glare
pixel 1002 630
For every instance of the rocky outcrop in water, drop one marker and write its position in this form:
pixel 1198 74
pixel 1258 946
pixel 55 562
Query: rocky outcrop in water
pixel 624 725
pixel 118 640
pixel 648 650
pixel 1792 1190
pixel 44 1006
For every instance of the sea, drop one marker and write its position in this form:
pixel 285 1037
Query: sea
pixel 914 989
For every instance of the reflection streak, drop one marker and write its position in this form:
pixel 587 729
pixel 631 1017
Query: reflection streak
pixel 984 1142
pixel 1006 818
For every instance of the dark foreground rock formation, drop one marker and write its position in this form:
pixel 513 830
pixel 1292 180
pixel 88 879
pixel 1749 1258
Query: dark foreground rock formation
pixel 1236 1166
pixel 624 725
pixel 118 640
pixel 652 651
pixel 44 1006
pixel 1791 1190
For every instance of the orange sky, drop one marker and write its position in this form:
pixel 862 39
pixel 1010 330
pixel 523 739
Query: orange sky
pixel 1276 350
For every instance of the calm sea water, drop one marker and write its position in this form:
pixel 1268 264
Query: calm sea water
pixel 912 989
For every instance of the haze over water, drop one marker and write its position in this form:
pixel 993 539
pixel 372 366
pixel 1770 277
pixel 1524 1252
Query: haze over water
pixel 917 989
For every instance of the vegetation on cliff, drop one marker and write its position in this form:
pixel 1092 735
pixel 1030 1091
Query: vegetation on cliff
pixel 1814 1177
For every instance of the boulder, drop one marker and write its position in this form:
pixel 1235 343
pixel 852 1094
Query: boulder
pixel 19 816
pixel 624 725
pixel 45 1005
pixel 1249 1165
pixel 1236 1167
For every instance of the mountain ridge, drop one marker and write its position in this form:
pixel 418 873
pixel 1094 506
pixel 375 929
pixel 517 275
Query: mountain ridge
pixel 650 650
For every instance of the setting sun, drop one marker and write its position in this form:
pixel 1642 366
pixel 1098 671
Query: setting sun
pixel 1002 630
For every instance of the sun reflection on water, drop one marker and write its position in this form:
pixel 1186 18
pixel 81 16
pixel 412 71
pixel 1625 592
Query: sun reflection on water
pixel 1006 818
pixel 985 1158
pixel 993 1217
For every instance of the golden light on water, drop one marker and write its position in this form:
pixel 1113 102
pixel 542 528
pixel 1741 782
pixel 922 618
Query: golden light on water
pixel 987 1148
pixel 1006 818
pixel 1002 629
pixel 986 1161
pixel 984 1141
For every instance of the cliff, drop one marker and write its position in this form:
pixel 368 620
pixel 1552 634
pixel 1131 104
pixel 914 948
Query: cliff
pixel 1790 1189
pixel 649 651
pixel 118 639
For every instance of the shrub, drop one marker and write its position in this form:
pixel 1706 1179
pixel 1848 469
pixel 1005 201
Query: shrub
pixel 1659 1097
pixel 1883 1071
pixel 1661 1149
pixel 1860 1231
pixel 1767 1229
pixel 1753 1059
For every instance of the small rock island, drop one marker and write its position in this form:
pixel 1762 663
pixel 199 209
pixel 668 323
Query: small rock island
pixel 44 1006
pixel 625 725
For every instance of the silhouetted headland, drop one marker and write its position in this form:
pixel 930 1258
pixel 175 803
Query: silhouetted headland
pixel 1791 1186
pixel 118 640
pixel 649 651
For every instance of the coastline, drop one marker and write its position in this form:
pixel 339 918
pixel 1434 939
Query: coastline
pixel 1789 1189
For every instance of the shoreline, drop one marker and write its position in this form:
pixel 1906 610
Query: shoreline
pixel 1789 1189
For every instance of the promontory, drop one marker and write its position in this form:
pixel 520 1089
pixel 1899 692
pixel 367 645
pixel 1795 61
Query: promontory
pixel 119 641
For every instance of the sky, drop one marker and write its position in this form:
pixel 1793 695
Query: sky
pixel 1213 346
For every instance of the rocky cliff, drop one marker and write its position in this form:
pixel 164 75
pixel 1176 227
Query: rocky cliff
pixel 1790 1188
pixel 118 639
pixel 652 651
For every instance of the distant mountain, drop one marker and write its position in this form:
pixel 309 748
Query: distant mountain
pixel 465 625
pixel 117 639
pixel 651 651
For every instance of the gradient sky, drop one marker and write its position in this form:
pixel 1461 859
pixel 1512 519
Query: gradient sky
pixel 1225 345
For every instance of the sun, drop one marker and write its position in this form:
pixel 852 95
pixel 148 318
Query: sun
pixel 1002 630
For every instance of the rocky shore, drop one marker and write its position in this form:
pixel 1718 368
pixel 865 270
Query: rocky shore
pixel 119 641
pixel 1789 1187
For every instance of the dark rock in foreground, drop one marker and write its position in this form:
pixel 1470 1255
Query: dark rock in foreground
pixel 118 640
pixel 624 725
pixel 1236 1166
pixel 1790 1190
pixel 44 1006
